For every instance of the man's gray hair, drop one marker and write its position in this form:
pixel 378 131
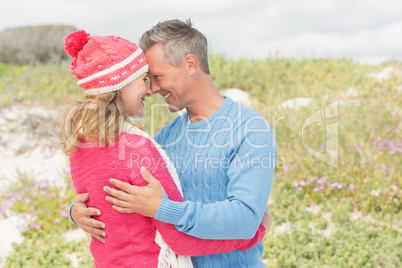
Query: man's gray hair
pixel 178 38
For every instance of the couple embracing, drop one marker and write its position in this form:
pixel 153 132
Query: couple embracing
pixel 195 194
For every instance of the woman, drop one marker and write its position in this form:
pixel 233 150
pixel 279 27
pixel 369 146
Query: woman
pixel 103 143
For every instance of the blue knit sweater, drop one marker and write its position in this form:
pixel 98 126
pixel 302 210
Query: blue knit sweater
pixel 226 167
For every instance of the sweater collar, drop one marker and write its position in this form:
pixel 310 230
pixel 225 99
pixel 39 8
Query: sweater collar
pixel 225 105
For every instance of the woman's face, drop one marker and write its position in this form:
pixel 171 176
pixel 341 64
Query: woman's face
pixel 134 94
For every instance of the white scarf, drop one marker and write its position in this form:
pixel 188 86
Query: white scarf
pixel 167 258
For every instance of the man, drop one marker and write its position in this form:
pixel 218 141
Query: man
pixel 224 153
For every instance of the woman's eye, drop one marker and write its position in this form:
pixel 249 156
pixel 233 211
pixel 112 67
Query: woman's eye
pixel 147 81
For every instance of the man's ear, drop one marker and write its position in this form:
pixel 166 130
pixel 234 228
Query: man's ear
pixel 190 63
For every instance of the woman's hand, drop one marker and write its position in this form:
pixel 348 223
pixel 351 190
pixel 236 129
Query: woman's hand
pixel 82 216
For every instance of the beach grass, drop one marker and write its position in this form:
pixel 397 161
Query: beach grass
pixel 347 215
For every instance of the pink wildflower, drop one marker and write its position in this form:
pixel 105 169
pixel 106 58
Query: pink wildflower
pixel 322 180
pixel 35 226
pixel 385 168
pixel 64 214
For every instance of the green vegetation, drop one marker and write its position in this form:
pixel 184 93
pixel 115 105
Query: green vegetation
pixel 348 216
pixel 49 84
pixel 44 208
pixel 5 68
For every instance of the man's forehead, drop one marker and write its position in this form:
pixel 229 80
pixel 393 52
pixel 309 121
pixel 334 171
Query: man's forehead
pixel 156 68
pixel 152 71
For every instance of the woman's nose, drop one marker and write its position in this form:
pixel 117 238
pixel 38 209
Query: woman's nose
pixel 149 92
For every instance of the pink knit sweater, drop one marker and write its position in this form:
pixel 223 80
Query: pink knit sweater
pixel 130 240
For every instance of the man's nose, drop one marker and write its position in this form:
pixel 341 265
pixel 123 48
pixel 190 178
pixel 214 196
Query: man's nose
pixel 154 88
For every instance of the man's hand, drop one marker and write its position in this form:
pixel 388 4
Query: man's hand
pixel 134 199
pixel 82 216
pixel 266 221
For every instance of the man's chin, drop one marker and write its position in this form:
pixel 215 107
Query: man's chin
pixel 174 109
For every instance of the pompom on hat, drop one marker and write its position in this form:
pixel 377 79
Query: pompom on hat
pixel 103 63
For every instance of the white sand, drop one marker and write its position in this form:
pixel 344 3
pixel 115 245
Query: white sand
pixel 28 144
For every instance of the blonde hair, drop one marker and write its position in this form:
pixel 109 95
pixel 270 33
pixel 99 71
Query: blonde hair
pixel 97 118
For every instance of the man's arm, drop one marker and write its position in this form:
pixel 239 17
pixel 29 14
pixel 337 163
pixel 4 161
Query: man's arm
pixel 181 243
pixel 81 216
pixel 124 199
pixel 236 217
pixel 248 191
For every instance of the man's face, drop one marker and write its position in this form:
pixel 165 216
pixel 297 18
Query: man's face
pixel 167 80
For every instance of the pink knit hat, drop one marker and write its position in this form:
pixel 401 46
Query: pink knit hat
pixel 103 63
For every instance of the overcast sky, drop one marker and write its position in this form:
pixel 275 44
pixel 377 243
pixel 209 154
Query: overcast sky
pixel 363 30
